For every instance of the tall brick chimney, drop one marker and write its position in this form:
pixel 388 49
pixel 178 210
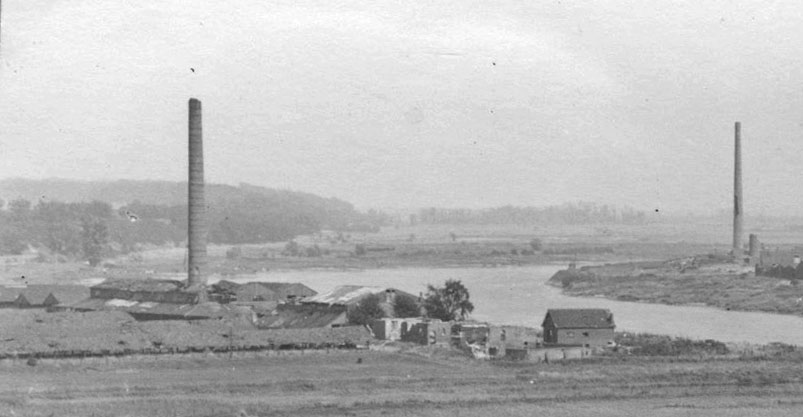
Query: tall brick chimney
pixel 196 260
pixel 738 209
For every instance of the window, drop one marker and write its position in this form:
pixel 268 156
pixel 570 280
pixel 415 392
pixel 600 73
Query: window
pixel 585 334
pixel 570 334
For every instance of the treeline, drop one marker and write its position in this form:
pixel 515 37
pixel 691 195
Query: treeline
pixel 246 215
pixel 71 229
pixel 572 213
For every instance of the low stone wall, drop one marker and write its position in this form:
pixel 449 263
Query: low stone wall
pixel 551 354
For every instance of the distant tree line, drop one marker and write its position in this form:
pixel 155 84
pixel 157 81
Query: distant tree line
pixel 70 229
pixel 93 230
pixel 572 213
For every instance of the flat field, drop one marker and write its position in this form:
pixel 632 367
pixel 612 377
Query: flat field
pixel 428 382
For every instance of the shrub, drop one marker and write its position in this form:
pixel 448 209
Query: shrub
pixel 406 306
pixel 366 311
pixel 235 252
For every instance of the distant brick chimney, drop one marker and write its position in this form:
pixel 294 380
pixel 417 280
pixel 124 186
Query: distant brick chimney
pixel 196 240
pixel 738 209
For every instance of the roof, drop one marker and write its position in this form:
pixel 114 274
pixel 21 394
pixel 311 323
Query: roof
pixel 37 294
pixel 259 307
pixel 301 317
pixel 289 287
pixel 133 284
pixel 580 318
pixel 9 294
pixel 187 311
pixel 225 285
pixel 349 294
pixel 65 294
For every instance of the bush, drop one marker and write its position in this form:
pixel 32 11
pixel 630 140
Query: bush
pixel 235 252
pixel 366 311
pixel 359 249
pixel 291 249
pixel 405 306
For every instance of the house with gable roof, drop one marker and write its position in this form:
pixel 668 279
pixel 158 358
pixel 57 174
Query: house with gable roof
pixel 589 327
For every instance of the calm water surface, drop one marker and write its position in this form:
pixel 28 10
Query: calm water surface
pixel 520 296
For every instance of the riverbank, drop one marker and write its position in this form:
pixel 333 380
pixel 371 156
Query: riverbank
pixel 708 281
pixel 443 247
pixel 414 382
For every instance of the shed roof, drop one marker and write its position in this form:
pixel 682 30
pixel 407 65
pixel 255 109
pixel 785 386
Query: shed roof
pixel 580 318
pixel 148 284
pixel 66 294
pixel 168 310
pixel 36 294
pixel 349 294
pixel 289 287
pixel 225 285
pixel 9 294
pixel 301 317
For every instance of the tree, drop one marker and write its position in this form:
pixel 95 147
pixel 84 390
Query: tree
pixel 406 306
pixel 366 311
pixel 448 302
pixel 359 249
pixel 94 238
pixel 291 249
pixel 536 244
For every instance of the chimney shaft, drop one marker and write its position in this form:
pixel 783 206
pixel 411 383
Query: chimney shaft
pixel 196 240
pixel 738 209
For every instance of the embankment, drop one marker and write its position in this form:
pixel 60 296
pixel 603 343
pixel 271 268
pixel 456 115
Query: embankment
pixel 689 281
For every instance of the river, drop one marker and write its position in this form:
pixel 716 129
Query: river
pixel 520 296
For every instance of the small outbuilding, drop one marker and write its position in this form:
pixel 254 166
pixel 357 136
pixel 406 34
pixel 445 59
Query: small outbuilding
pixel 578 327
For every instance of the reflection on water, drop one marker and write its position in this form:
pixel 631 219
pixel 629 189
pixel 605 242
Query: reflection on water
pixel 520 296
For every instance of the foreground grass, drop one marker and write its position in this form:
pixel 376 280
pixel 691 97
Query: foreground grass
pixel 401 384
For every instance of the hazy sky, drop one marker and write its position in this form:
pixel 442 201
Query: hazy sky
pixel 418 103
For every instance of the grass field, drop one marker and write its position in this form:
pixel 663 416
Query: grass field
pixel 401 384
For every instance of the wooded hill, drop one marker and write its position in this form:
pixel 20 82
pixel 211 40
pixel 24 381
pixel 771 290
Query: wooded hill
pixel 45 212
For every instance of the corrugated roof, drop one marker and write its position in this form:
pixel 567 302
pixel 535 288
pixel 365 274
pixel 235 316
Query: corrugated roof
pixel 349 295
pixel 289 287
pixel 301 317
pixel 581 318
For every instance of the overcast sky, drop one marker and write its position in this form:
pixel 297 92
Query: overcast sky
pixel 420 103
